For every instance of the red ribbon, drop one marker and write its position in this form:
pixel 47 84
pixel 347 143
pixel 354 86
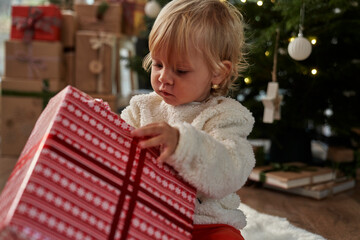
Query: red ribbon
pixel 124 188
pixel 35 21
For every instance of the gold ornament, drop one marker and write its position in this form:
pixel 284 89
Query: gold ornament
pixel 215 86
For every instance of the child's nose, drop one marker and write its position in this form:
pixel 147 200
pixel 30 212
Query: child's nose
pixel 165 77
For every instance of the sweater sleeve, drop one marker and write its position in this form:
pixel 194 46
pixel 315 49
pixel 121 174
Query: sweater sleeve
pixel 218 158
pixel 132 113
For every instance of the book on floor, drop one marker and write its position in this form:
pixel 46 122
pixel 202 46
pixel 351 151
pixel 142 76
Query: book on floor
pixel 321 190
pixel 291 175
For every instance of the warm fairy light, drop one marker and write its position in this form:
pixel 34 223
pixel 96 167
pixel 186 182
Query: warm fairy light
pixel 313 41
pixel 291 39
pixel 267 53
pixel 273 1
pixel 314 71
pixel 259 3
pixel 244 1
pixel 247 80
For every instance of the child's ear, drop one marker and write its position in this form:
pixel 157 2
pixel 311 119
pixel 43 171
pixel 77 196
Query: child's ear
pixel 220 76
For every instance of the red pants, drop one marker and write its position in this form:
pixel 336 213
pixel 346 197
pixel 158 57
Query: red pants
pixel 215 232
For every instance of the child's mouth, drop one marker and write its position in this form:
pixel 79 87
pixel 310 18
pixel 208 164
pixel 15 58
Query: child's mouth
pixel 165 94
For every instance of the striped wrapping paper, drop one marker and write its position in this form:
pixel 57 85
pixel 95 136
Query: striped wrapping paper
pixel 82 176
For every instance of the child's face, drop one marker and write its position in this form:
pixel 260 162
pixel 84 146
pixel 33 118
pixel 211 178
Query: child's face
pixel 182 81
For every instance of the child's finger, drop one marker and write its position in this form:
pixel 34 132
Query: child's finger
pixel 146 131
pixel 164 155
pixel 151 142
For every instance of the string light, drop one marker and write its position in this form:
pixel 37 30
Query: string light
pixel 247 80
pixel 244 1
pixel 314 71
pixel 267 53
pixel 313 41
pixel 259 3
pixel 291 39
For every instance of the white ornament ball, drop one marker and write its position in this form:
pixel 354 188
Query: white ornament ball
pixel 300 48
pixel 152 9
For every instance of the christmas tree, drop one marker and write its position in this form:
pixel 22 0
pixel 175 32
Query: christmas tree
pixel 311 100
pixel 321 91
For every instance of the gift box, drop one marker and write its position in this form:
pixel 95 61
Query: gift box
pixel 82 176
pixel 36 23
pixel 96 57
pixel 22 102
pixel 133 17
pixel 37 60
pixel 69 63
pixel 99 17
pixel 68 28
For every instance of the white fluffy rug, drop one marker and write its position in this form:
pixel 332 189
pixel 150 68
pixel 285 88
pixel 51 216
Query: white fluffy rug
pixel 266 227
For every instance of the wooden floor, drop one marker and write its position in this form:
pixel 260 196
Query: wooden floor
pixel 335 218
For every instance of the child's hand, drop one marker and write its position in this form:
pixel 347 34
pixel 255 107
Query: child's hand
pixel 159 134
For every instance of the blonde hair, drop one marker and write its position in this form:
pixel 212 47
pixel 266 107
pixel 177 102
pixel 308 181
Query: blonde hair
pixel 214 27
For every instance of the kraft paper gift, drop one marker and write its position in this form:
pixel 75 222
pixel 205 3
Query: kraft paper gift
pixel 22 101
pixel 36 60
pixel 88 18
pixel 96 57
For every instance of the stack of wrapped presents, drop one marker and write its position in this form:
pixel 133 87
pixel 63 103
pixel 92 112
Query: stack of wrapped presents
pixel 79 172
pixel 34 68
pixel 50 48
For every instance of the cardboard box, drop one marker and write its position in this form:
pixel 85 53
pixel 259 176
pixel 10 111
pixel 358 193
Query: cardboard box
pixel 36 23
pixel 22 102
pixel 69 60
pixel 82 176
pixel 37 60
pixel 133 17
pixel 69 27
pixel 96 57
pixel 109 22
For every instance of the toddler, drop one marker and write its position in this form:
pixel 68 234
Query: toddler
pixel 196 53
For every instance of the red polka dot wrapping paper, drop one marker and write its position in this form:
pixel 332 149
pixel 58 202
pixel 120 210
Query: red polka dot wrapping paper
pixel 82 176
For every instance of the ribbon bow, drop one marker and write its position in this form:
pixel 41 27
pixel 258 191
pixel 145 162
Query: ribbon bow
pixel 35 20
pixel 98 42
pixel 36 64
pixel 96 66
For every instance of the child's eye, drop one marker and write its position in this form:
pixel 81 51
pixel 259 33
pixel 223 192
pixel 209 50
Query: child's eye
pixel 157 65
pixel 181 72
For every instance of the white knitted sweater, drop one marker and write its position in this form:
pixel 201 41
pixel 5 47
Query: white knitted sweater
pixel 213 153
